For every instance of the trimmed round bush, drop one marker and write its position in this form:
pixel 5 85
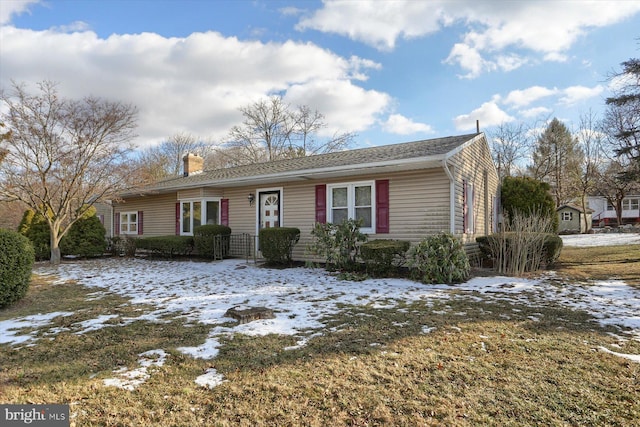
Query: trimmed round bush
pixel 16 261
pixel 383 256
pixel 439 259
pixel 211 240
pixel 276 244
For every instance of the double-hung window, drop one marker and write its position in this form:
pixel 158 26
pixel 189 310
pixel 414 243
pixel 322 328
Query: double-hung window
pixel 128 222
pixel 567 216
pixel 630 204
pixel 198 212
pixel 352 201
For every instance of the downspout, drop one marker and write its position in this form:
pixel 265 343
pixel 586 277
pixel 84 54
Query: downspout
pixel 452 196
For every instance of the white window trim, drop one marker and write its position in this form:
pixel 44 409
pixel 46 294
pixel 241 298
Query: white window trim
pixel 567 216
pixel 470 213
pixel 126 215
pixel 203 213
pixel 627 204
pixel 351 202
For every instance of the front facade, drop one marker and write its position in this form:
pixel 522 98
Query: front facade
pixel 604 213
pixel 402 191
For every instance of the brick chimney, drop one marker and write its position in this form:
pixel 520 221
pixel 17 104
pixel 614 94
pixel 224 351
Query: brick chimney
pixel 192 164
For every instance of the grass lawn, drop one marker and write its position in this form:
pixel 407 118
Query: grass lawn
pixel 468 360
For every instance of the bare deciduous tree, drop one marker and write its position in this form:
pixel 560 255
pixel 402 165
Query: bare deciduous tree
pixel 63 155
pixel 590 140
pixel 510 144
pixel 165 159
pixel 272 130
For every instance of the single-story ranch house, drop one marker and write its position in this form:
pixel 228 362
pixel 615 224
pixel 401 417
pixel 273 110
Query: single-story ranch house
pixel 401 191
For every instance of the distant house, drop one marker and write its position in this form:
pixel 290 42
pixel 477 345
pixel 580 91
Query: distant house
pixel 571 218
pixel 604 212
pixel 401 191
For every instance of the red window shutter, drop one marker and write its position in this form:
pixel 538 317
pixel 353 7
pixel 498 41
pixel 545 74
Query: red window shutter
pixel 178 219
pixel 116 224
pixel 321 203
pixel 382 206
pixel 140 221
pixel 224 212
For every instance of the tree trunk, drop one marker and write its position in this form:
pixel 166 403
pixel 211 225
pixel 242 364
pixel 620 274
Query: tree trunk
pixel 55 248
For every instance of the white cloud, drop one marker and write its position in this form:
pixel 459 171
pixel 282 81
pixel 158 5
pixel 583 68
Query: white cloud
pixel 469 59
pixel 535 112
pixel 346 107
pixel 77 26
pixel 376 23
pixel 576 94
pixel 9 8
pixel 522 98
pixel 488 113
pixel 401 125
pixel 195 83
pixel 494 29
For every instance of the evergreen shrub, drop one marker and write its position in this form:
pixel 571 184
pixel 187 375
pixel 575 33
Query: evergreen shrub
pixel 166 246
pixel 212 240
pixel 439 259
pixel 86 237
pixel 35 228
pixel 276 244
pixel 338 244
pixel 16 261
pixel 382 257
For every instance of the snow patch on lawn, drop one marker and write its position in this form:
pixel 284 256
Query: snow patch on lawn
pixel 601 239
pixel 10 329
pixel 633 357
pixel 210 379
pixel 131 379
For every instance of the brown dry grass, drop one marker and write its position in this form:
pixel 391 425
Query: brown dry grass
pixel 601 263
pixel 481 362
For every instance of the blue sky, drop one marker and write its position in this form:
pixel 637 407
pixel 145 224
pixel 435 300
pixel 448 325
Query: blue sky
pixel 391 71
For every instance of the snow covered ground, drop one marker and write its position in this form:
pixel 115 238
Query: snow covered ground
pixel 300 298
pixel 601 239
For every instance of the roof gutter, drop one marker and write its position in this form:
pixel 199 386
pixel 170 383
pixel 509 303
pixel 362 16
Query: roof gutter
pixel 452 195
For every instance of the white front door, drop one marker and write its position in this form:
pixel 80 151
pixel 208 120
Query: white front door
pixel 270 209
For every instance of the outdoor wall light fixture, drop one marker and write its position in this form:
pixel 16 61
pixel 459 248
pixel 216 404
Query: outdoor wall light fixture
pixel 251 198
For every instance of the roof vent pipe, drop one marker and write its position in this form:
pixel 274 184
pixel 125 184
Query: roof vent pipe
pixel 477 126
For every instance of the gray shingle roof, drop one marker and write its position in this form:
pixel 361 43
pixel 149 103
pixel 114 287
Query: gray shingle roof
pixel 387 154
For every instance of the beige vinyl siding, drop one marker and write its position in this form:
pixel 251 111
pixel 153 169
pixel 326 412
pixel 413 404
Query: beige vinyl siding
pixel 419 206
pixel 159 213
pixel 199 193
pixel 104 210
pixel 475 165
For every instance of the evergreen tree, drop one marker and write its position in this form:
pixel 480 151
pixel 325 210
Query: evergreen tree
pixel 557 160
pixel 527 196
pixel 622 119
